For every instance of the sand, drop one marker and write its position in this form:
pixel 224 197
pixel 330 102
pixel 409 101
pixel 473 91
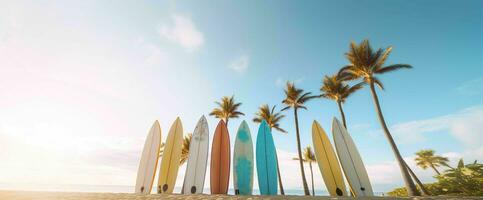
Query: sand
pixel 26 195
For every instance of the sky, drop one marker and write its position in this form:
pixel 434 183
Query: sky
pixel 81 82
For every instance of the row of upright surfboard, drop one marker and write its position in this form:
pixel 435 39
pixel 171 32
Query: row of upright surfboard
pixel 243 160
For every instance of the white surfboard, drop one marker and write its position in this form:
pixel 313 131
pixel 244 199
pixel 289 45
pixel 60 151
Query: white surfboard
pixel 351 161
pixel 194 179
pixel 149 160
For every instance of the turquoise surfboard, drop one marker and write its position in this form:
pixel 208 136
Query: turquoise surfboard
pixel 243 161
pixel 266 161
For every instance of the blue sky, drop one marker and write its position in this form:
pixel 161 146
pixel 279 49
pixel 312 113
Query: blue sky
pixel 89 78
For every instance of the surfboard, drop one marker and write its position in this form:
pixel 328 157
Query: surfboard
pixel 328 163
pixel 351 161
pixel 194 179
pixel 243 161
pixel 220 160
pixel 149 160
pixel 266 161
pixel 168 171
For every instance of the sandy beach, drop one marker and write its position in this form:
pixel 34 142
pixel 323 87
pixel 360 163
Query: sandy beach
pixel 27 195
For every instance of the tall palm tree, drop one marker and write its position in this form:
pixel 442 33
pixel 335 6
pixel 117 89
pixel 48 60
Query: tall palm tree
pixel 227 108
pixel 365 64
pixel 426 159
pixel 272 118
pixel 184 151
pixel 334 88
pixel 424 191
pixel 309 157
pixel 296 98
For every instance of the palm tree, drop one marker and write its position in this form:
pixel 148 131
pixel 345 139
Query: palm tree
pixel 426 159
pixel 424 191
pixel 227 109
pixel 334 88
pixel 272 118
pixel 309 157
pixel 296 98
pixel 186 148
pixel 184 151
pixel 365 64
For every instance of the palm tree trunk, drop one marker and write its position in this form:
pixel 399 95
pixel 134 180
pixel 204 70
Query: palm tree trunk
pixel 299 148
pixel 312 178
pixel 436 170
pixel 424 191
pixel 342 113
pixel 226 123
pixel 411 188
pixel 282 192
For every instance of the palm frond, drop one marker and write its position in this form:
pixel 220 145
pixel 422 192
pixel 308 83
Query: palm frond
pixel 383 58
pixel 286 108
pixel 392 68
pixel 378 83
pixel 355 88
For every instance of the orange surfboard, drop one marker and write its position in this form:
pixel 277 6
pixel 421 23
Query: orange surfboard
pixel 220 160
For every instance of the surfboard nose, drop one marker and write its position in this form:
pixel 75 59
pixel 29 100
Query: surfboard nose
pixel 203 118
pixel 221 123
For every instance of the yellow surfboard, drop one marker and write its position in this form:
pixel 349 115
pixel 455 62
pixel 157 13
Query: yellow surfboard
pixel 328 162
pixel 168 171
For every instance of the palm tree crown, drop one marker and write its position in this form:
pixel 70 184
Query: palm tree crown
pixel 365 63
pixel 295 98
pixel 270 116
pixel 186 148
pixel 308 155
pixel 426 159
pixel 227 108
pixel 335 88
pixel 184 151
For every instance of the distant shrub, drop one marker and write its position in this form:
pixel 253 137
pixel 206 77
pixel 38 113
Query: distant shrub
pixel 464 180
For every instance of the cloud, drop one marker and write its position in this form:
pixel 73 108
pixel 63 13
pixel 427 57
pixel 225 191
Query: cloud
pixel 44 159
pixel 183 31
pixel 280 81
pixel 156 56
pixel 465 125
pixel 471 87
pixel 240 64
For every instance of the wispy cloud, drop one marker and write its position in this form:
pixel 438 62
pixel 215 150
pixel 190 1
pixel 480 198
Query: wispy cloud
pixel 465 125
pixel 240 64
pixel 280 81
pixel 183 31
pixel 471 87
pixel 156 56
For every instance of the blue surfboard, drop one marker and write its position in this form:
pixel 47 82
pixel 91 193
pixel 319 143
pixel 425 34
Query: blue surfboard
pixel 243 166
pixel 266 161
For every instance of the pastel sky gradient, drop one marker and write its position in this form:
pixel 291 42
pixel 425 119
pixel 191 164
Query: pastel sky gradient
pixel 81 82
